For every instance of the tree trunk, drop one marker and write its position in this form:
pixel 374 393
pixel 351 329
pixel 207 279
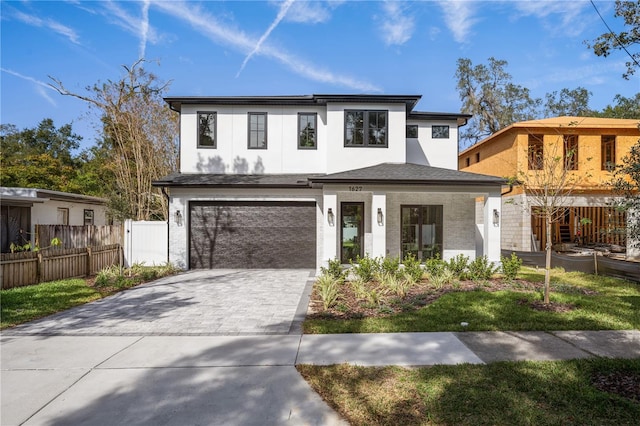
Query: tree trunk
pixel 547 266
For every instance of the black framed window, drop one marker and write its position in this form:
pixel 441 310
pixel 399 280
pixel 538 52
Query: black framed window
pixel 412 131
pixel 608 149
pixel 422 231
pixel 570 152
pixel 207 129
pixel 535 152
pixel 365 128
pixel 307 129
pixel 351 231
pixel 88 217
pixel 440 132
pixel 257 130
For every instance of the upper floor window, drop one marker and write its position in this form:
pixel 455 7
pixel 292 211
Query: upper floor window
pixel 467 161
pixel 207 129
pixel 412 131
pixel 307 128
pixel 440 132
pixel 477 157
pixel 570 152
pixel 535 152
pixel 365 128
pixel 257 130
pixel 608 148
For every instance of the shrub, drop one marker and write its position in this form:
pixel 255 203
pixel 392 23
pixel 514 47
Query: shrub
pixel 389 265
pixel 328 290
pixel 108 276
pixel 481 269
pixel 365 268
pixel 359 288
pixel 334 269
pixel 441 278
pixel 413 268
pixel 434 265
pixel 511 266
pixel 397 285
pixel 458 265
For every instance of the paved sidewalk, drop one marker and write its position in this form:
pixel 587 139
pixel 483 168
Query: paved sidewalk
pixel 238 380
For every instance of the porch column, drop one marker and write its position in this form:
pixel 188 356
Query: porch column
pixel 492 219
pixel 379 224
pixel 330 227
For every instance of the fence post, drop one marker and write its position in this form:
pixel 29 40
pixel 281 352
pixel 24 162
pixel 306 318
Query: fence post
pixel 39 268
pixel 89 261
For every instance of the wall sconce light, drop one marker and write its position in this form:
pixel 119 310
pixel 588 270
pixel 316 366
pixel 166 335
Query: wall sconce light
pixel 380 217
pixel 496 217
pixel 330 217
pixel 178 218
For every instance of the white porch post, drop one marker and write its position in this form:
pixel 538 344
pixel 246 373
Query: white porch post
pixel 379 224
pixel 330 227
pixel 492 219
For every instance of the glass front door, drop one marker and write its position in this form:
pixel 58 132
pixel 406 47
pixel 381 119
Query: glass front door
pixel 422 231
pixel 352 231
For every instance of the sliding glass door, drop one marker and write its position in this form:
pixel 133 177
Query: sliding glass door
pixel 421 231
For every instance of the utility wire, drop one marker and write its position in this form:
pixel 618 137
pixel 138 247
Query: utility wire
pixel 614 35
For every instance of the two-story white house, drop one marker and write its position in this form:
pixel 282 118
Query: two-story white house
pixel 294 181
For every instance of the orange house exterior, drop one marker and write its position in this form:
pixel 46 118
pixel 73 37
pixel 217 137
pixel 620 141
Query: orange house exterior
pixel 596 145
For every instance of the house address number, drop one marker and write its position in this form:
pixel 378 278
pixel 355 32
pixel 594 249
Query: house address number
pixel 355 188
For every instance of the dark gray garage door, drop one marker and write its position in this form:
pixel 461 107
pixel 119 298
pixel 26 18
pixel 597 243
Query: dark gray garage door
pixel 252 235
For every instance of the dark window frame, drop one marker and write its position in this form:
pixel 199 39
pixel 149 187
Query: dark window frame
pixel 366 118
pixel 412 127
pixel 91 216
pixel 570 151
pixel 443 127
pixel 361 229
pixel 302 133
pixel 257 131
pixel 438 211
pixel 607 152
pixel 215 129
pixel 477 157
pixel 535 152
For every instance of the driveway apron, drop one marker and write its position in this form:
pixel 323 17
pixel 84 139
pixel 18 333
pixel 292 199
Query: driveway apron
pixel 211 302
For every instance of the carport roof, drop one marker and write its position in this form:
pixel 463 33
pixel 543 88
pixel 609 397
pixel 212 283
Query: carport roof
pixel 386 173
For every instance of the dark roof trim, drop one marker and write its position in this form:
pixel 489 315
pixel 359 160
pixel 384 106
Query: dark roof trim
pixel 233 181
pixel 175 102
pixel 461 119
pixel 415 182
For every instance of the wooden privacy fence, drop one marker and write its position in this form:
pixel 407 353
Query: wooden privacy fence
pixel 78 236
pixel 28 268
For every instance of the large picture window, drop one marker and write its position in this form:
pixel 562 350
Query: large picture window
pixel 307 130
pixel 365 128
pixel 422 231
pixel 570 152
pixel 608 145
pixel 207 129
pixel 257 130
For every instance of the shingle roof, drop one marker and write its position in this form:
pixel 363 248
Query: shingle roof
pixel 405 173
pixel 386 173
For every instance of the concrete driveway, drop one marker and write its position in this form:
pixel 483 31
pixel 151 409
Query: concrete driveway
pixel 211 302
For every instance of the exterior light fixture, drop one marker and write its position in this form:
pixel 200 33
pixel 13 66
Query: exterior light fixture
pixel 496 217
pixel 380 217
pixel 178 218
pixel 330 217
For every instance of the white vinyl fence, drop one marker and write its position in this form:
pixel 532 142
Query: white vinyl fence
pixel 145 242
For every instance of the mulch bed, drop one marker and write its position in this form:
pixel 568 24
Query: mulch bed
pixel 349 306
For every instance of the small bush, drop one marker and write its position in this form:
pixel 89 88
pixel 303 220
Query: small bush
pixel 365 268
pixel 334 269
pixel 443 277
pixel 434 265
pixel 108 276
pixel 395 284
pixel 359 288
pixel 374 297
pixel 458 265
pixel 328 290
pixel 413 268
pixel 511 266
pixel 389 265
pixel 481 269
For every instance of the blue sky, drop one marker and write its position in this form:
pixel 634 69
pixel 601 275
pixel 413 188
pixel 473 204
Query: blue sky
pixel 216 48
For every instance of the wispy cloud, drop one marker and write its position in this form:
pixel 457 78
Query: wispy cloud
pixel 39 85
pixel 459 18
pixel 137 25
pixel 55 26
pixel 235 38
pixel 397 26
pixel 568 12
pixel 310 12
pixel 281 14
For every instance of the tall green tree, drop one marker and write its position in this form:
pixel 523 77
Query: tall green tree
pixel 623 108
pixel 626 40
pixel 40 157
pixel 626 184
pixel 572 103
pixel 139 133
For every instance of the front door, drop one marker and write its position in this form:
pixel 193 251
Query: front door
pixel 352 231
pixel 422 231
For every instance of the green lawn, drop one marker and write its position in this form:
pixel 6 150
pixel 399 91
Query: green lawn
pixel 508 393
pixel 597 303
pixel 24 304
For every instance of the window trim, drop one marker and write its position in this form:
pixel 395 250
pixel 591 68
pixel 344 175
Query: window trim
pixel 434 136
pixel 315 130
pixel 266 142
pixel 65 215
pixel 215 129
pixel 572 162
pixel 611 142
pixel 365 124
